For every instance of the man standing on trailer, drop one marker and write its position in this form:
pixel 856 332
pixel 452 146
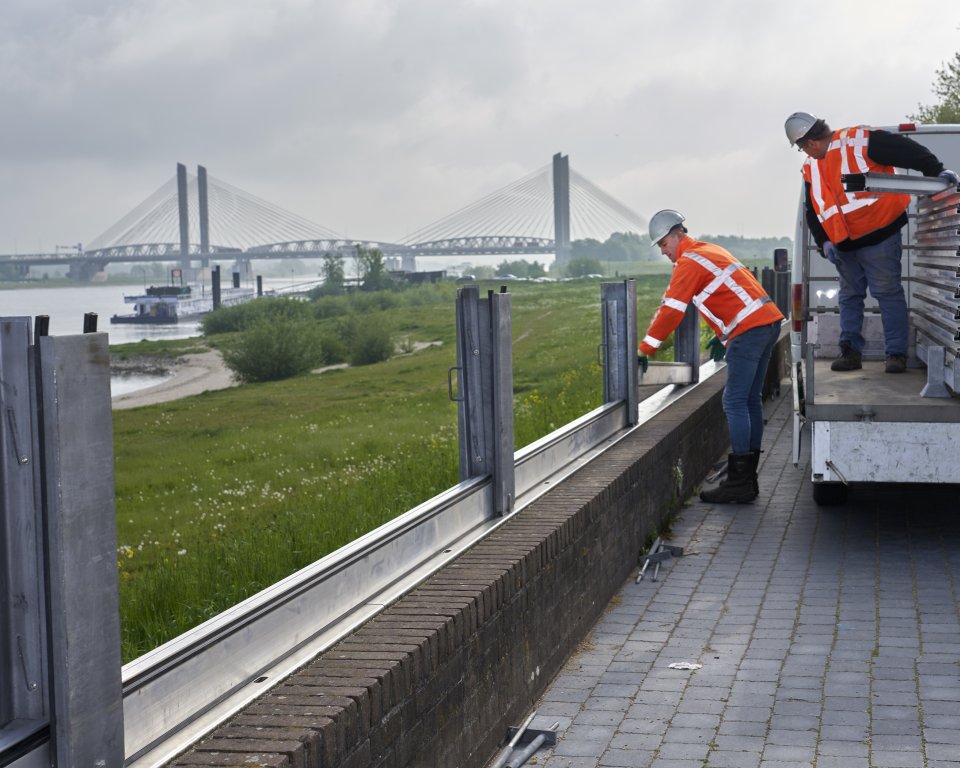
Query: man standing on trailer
pixel 747 325
pixel 859 232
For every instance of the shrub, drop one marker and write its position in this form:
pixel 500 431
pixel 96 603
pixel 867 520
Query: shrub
pixel 241 316
pixel 274 349
pixel 333 349
pixel 368 340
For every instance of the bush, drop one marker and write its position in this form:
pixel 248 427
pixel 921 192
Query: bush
pixel 241 316
pixel 274 349
pixel 368 340
pixel 333 349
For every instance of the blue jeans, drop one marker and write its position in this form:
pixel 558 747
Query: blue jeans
pixel 748 356
pixel 877 267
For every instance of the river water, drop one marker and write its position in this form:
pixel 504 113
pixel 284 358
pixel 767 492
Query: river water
pixel 67 305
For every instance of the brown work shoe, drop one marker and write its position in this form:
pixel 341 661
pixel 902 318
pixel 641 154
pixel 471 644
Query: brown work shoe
pixel 896 364
pixel 849 360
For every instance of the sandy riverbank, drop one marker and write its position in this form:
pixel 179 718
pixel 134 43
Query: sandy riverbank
pixel 191 375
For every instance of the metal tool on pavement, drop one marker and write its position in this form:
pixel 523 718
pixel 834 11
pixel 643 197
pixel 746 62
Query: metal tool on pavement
pixel 508 750
pixel 540 737
pixel 657 554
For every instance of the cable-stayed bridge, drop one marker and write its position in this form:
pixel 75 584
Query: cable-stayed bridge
pixel 197 218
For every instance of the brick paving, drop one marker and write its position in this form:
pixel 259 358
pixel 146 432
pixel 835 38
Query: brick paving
pixel 828 637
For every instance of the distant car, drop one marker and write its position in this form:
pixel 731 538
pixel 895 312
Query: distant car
pixel 467 279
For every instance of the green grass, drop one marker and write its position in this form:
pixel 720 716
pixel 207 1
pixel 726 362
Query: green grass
pixel 222 494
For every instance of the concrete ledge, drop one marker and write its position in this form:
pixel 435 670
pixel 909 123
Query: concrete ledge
pixel 437 677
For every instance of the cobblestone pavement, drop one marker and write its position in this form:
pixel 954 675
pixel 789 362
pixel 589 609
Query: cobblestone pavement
pixel 828 637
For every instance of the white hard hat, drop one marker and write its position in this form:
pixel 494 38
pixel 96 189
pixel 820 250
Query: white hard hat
pixel 798 125
pixel 662 222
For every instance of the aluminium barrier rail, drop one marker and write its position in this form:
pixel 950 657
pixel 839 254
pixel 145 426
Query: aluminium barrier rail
pixel 174 694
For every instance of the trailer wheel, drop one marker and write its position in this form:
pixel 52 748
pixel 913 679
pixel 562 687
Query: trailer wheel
pixel 829 494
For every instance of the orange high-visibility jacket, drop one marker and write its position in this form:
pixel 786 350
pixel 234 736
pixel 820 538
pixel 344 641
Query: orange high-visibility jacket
pixel 725 292
pixel 844 214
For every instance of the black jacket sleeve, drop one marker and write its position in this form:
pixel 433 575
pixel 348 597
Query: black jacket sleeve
pixel 901 152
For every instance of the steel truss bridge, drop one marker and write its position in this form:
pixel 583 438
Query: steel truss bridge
pixel 198 219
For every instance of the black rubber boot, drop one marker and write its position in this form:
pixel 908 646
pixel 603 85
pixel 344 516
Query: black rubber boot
pixel 754 464
pixel 737 488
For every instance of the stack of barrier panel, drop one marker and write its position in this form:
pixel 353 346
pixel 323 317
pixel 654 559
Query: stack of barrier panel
pixel 936 281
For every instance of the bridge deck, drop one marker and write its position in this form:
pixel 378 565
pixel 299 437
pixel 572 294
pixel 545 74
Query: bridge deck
pixel 827 637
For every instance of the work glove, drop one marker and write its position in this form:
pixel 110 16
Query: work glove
pixel 830 252
pixel 951 176
pixel 716 349
pixel 644 362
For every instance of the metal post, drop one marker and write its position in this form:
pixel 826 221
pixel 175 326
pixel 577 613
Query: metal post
pixel 485 401
pixel 83 605
pixel 23 664
pixel 782 291
pixel 259 285
pixel 618 310
pixel 686 342
pixel 215 286
pixel 184 216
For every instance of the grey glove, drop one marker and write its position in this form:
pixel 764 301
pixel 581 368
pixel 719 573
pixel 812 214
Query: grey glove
pixel 951 176
pixel 830 252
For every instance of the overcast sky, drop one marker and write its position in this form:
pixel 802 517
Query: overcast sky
pixel 375 118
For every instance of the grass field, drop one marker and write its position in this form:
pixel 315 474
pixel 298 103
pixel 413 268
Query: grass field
pixel 223 494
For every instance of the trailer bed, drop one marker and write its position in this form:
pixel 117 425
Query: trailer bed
pixel 871 394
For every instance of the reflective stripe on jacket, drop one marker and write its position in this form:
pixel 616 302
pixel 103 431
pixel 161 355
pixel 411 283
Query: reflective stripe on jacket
pixel 725 292
pixel 849 215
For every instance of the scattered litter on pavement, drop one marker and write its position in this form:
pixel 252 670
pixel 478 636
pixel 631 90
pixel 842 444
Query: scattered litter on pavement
pixel 685 665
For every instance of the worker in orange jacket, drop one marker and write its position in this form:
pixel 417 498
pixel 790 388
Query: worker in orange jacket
pixel 859 232
pixel 747 325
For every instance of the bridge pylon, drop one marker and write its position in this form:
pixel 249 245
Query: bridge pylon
pixel 561 207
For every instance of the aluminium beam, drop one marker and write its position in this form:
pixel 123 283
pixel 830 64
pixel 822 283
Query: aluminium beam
pixel 893 182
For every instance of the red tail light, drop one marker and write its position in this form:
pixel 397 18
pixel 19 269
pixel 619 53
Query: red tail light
pixel 796 312
pixel 907 127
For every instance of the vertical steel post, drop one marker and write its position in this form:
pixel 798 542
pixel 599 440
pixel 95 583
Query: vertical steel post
pixel 485 401
pixel 215 286
pixel 686 342
pixel 23 657
pixel 184 217
pixel 618 311
pixel 83 606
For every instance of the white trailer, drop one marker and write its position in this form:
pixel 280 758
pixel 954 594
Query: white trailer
pixel 868 426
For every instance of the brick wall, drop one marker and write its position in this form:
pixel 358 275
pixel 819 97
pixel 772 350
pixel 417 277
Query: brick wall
pixel 437 677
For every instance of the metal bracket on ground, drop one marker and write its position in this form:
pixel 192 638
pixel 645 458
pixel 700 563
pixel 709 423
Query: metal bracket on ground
pixel 657 554
pixel 720 469
pixel 531 740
